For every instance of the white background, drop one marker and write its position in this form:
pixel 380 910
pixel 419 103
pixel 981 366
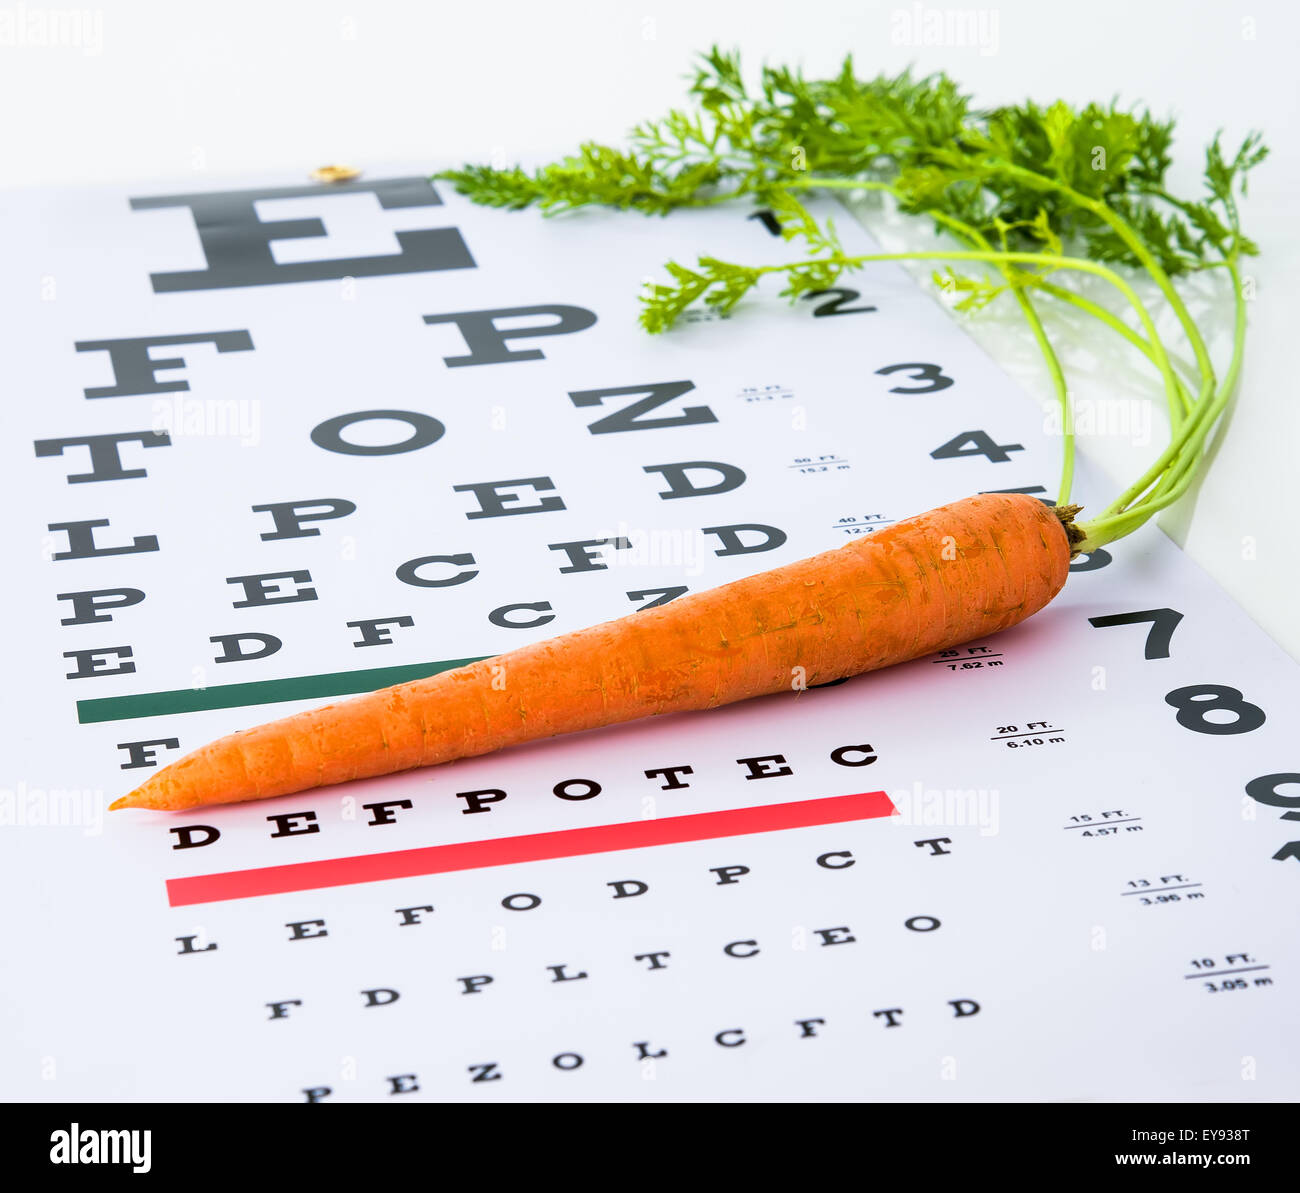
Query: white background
pixel 167 90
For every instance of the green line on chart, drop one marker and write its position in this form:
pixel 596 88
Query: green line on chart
pixel 266 691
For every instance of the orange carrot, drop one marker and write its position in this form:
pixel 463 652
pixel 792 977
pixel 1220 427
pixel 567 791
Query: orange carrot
pixel 956 573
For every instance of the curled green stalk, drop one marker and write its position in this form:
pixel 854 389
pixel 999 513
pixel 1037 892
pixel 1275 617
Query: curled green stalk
pixel 1058 189
pixel 1188 445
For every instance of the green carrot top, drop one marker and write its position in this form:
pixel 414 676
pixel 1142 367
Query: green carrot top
pixel 1032 193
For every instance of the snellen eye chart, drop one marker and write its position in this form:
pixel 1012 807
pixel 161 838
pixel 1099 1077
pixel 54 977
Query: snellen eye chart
pixel 272 444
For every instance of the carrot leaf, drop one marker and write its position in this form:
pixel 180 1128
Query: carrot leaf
pixel 1034 194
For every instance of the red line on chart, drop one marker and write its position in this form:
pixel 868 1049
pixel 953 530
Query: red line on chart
pixel 535 847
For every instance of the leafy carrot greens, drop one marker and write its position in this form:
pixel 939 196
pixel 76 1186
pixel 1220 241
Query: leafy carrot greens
pixel 1034 194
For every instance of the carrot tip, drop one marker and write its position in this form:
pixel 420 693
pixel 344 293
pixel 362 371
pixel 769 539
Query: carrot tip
pixel 124 802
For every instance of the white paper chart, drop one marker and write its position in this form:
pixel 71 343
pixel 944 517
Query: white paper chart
pixel 274 443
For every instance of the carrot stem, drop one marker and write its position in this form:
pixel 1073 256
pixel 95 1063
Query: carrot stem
pixel 1187 449
pixel 1192 418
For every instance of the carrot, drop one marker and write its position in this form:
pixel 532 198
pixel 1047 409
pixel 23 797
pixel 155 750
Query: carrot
pixel 956 573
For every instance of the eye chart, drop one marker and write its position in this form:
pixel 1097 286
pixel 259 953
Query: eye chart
pixel 273 444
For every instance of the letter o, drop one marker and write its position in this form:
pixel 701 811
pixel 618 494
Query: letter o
pixel 510 905
pixel 593 789
pixel 573 1057
pixel 425 429
pixel 921 923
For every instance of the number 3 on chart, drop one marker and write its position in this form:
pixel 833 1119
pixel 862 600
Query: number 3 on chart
pixel 933 375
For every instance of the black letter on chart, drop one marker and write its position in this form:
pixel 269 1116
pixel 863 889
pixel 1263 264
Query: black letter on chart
pixel 82 545
pixel 135 371
pixel 290 517
pixel 237 244
pixel 681 485
pixel 105 459
pixel 87 606
pixel 628 418
pixel 487 343
pixel 142 753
